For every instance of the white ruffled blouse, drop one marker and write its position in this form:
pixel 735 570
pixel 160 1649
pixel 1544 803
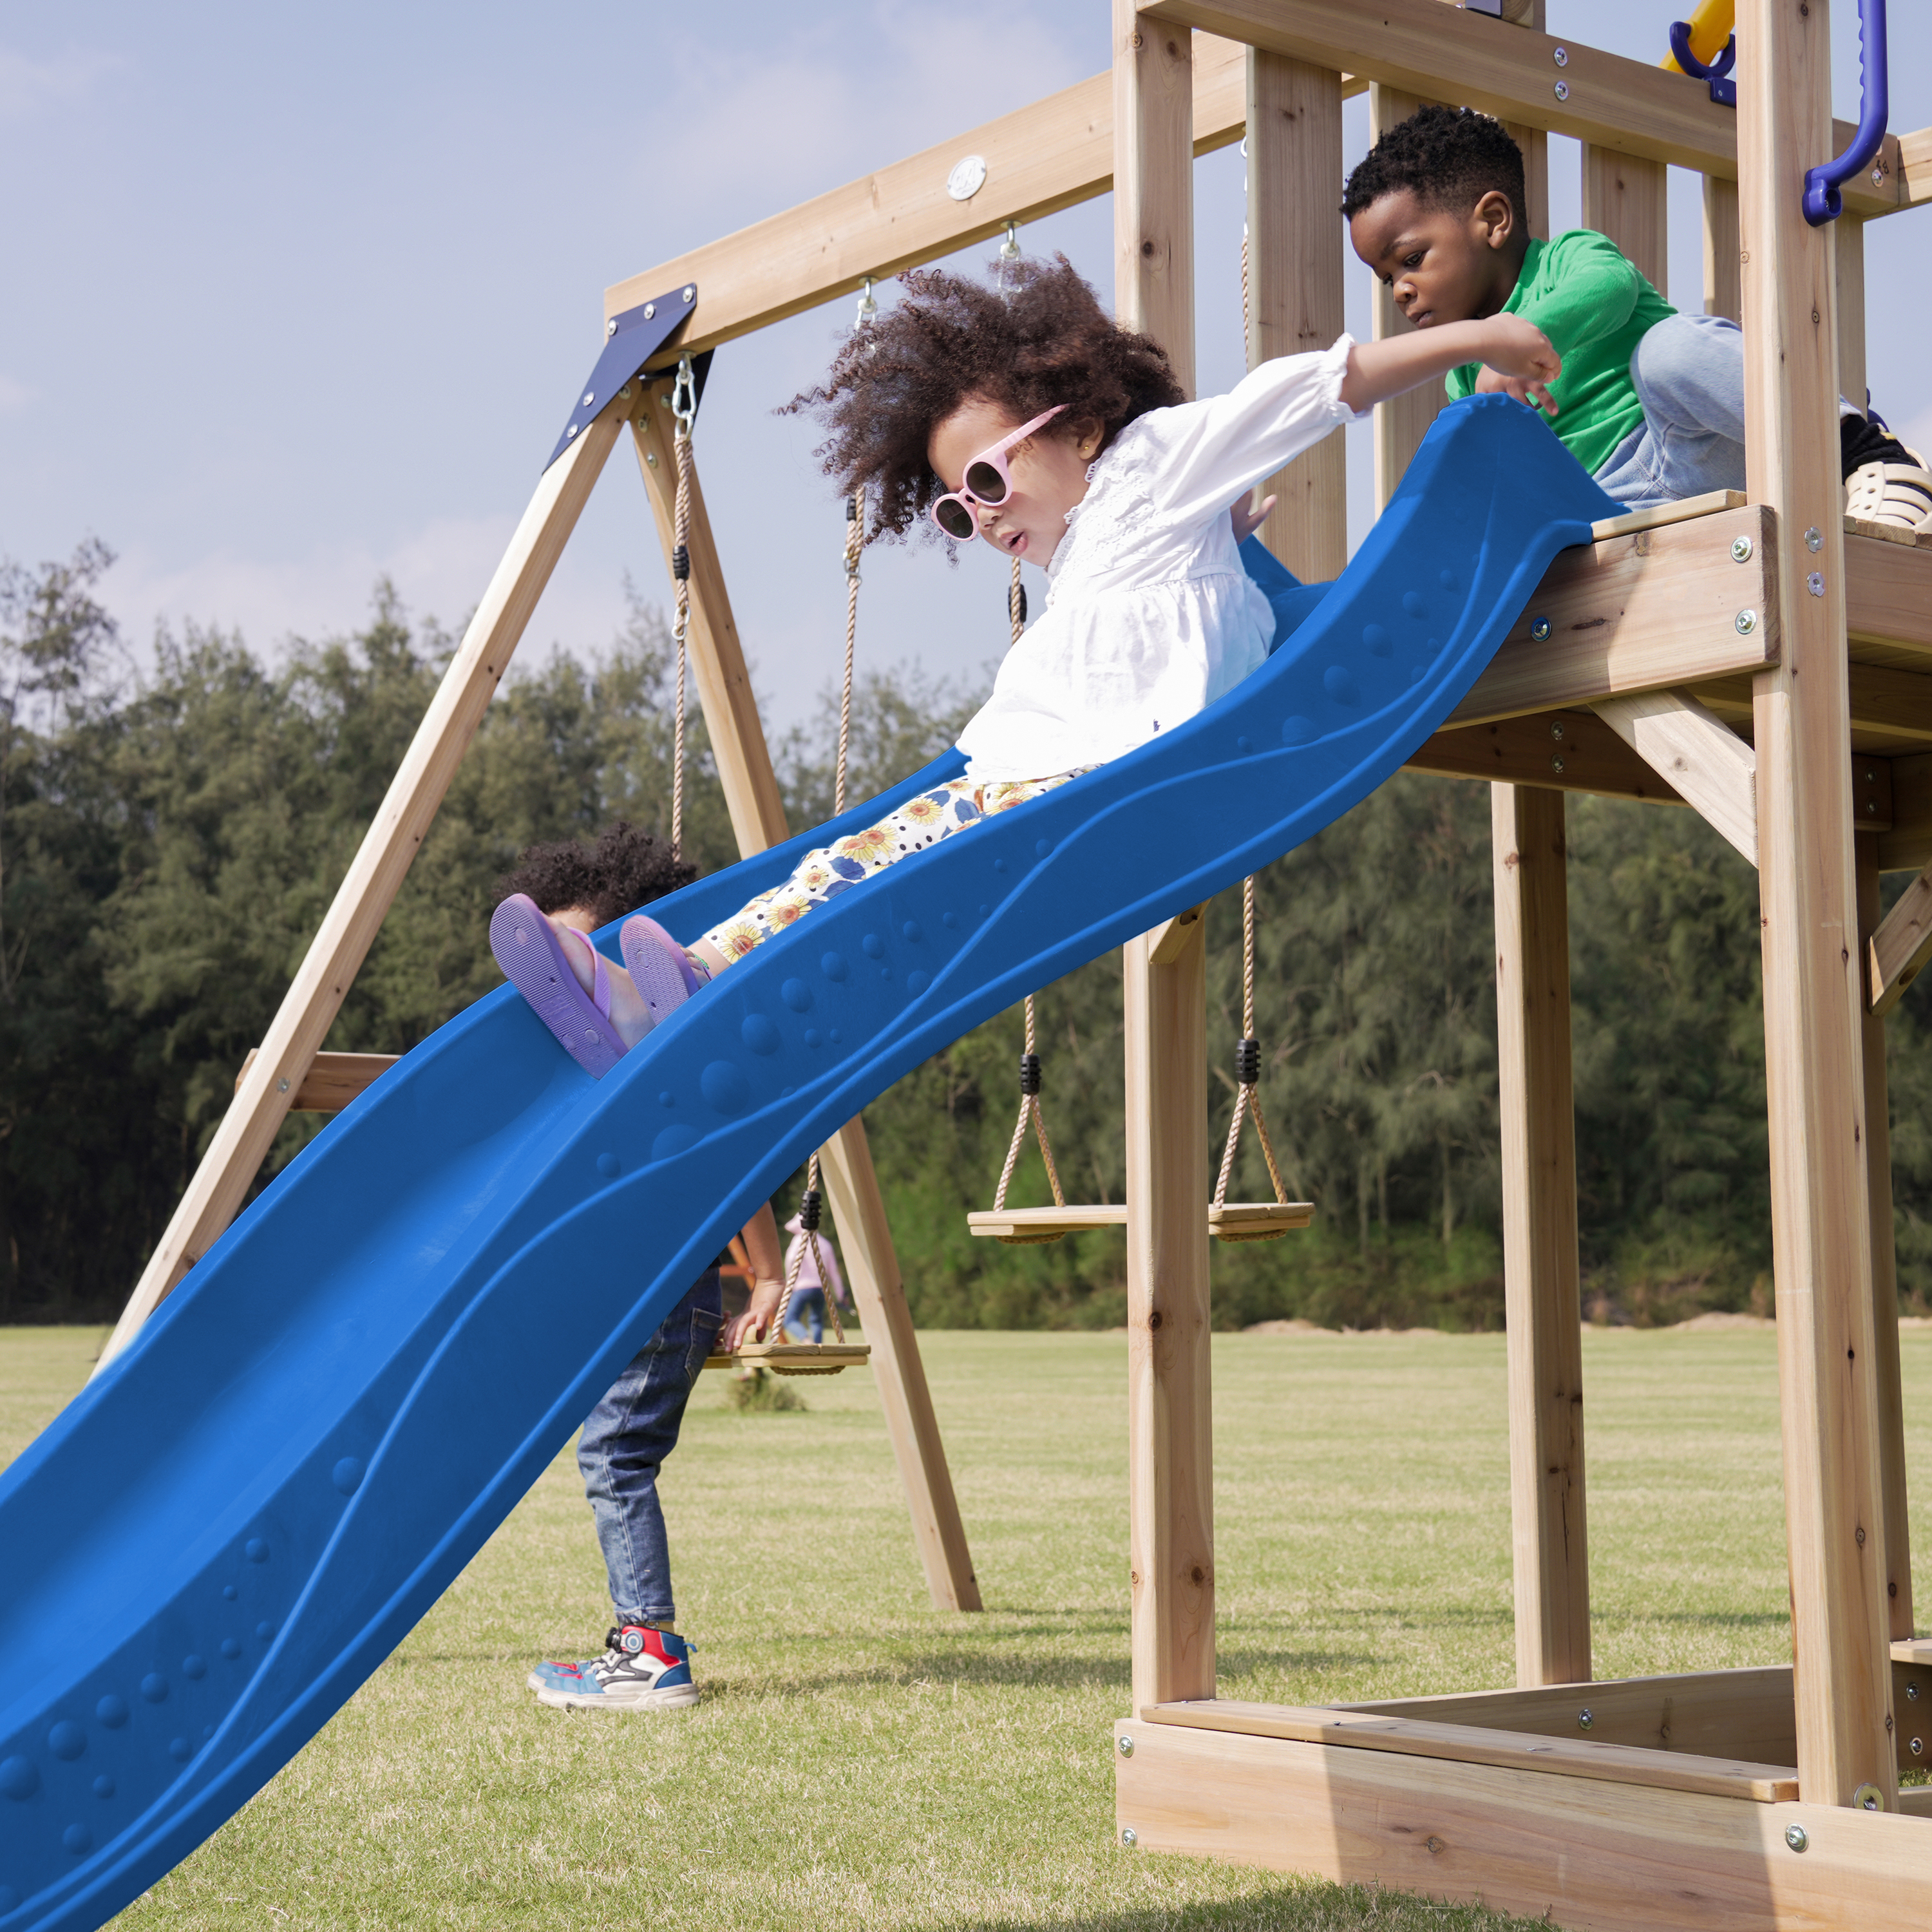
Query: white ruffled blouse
pixel 1149 616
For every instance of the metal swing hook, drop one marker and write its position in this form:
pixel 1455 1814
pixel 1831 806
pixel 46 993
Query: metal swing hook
pixel 684 397
pixel 868 309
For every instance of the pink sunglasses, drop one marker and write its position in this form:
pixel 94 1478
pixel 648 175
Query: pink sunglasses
pixel 986 484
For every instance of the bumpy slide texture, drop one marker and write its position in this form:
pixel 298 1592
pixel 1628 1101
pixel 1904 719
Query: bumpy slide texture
pixel 226 1532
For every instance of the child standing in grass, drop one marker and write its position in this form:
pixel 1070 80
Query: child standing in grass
pixel 1027 420
pixel 1651 402
pixel 645 1665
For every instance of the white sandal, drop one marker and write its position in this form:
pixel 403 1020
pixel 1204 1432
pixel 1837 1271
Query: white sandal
pixel 1890 493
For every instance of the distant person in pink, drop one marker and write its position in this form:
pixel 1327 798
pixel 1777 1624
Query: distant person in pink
pixel 804 1319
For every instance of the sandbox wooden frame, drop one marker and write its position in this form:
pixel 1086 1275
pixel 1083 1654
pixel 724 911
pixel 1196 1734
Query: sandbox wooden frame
pixel 1741 1798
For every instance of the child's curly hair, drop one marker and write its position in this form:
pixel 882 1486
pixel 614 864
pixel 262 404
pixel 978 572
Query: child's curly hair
pixel 625 869
pixel 1045 341
pixel 1448 158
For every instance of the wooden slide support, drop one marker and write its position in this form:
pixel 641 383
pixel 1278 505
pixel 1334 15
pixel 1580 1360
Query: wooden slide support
pixel 335 956
pixel 758 822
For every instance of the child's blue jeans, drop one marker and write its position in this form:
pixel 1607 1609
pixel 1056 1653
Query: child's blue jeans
pixel 1689 372
pixel 624 1443
pixel 804 1319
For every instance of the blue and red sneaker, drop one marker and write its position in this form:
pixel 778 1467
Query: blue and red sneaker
pixel 643 1669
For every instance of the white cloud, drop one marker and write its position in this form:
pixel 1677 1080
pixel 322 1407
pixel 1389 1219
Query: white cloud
pixel 28 85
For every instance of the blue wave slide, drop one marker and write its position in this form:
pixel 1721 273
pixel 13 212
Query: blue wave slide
pixel 226 1531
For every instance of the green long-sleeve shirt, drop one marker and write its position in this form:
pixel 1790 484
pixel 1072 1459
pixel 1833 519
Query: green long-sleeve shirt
pixel 1594 307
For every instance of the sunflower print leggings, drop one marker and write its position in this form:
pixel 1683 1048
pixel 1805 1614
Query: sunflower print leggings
pixel 827 871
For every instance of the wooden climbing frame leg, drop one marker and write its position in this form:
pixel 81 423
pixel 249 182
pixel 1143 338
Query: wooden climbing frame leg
pixel 1884 1275
pixel 1540 1264
pixel 1170 1431
pixel 335 955
pixel 1813 985
pixel 758 820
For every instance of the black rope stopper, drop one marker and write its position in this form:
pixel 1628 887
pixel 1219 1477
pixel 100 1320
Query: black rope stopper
pixel 1016 604
pixel 1029 1075
pixel 1248 1062
pixel 680 561
pixel 808 1210
pixel 852 509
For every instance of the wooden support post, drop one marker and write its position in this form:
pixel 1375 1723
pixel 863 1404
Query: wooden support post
pixel 1848 245
pixel 757 819
pixel 1403 421
pixel 1295 247
pixel 335 955
pixel 1170 1426
pixel 1170 1442
pixel 1723 270
pixel 1884 1277
pixel 1625 198
pixel 1813 987
pixel 1541 1283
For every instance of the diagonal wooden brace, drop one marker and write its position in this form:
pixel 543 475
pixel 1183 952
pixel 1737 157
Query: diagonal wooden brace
pixel 1706 763
pixel 335 956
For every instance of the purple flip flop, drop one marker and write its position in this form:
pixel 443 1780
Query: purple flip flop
pixel 658 967
pixel 532 955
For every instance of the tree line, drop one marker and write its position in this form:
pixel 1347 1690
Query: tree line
pixel 170 836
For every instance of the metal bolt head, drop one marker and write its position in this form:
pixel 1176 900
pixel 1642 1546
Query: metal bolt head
pixel 610 327
pixel 1556 728
pixel 1912 1693
pixel 1556 764
pixel 1742 549
pixel 1744 622
pixel 1126 1744
pixel 651 458
pixel 1815 583
pixel 691 293
pixel 1563 90
pixel 281 1086
pixel 589 396
pixel 1130 1837
pixel 967 178
pixel 1585 1718
pixel 1814 539
pixel 1539 628
pixel 1561 56
pixel 572 430
pixel 650 310
pixel 1868 1797
pixel 1796 1837
pixel 1917 1746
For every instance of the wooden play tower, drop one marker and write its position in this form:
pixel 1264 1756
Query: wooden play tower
pixel 1746 655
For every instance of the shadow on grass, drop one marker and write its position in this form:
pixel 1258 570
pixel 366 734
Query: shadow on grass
pixel 1307 1905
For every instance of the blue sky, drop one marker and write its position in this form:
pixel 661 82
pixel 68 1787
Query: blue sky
pixel 298 298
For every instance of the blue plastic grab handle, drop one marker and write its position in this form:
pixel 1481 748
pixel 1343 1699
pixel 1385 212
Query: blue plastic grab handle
pixel 1723 90
pixel 1822 202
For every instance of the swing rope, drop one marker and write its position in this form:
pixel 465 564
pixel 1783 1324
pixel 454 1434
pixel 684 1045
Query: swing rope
pixel 684 407
pixel 1248 1066
pixel 812 1203
pixel 1029 1081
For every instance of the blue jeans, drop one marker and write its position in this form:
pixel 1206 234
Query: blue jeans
pixel 625 1441
pixel 804 1319
pixel 1689 372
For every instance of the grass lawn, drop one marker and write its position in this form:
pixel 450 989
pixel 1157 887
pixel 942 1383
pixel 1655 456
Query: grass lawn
pixel 861 1760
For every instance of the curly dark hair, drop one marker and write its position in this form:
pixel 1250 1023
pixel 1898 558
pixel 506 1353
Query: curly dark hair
pixel 625 869
pixel 1044 340
pixel 1448 157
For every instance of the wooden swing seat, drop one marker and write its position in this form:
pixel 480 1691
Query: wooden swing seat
pixel 1242 1221
pixel 795 1358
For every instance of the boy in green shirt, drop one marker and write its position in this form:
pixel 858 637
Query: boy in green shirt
pixel 1650 402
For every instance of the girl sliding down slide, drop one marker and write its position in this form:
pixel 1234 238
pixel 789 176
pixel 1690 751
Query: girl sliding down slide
pixel 1029 421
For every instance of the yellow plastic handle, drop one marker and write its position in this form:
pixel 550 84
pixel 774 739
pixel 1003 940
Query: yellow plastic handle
pixel 1711 27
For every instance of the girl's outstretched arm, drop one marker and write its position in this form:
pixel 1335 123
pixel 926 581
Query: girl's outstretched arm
pixel 1518 351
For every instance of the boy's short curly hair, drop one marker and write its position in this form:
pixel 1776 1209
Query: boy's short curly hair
pixel 1045 341
pixel 1448 157
pixel 626 869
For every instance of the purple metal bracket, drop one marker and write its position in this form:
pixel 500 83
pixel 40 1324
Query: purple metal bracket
pixel 1723 90
pixel 1822 202
pixel 632 339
